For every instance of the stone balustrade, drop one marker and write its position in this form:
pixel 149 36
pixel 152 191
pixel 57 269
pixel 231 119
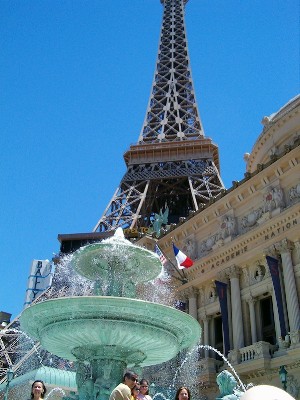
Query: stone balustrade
pixel 256 351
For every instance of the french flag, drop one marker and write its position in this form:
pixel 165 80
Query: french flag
pixel 183 261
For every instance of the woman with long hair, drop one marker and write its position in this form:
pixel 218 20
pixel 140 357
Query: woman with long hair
pixel 135 391
pixel 38 390
pixel 183 393
pixel 144 390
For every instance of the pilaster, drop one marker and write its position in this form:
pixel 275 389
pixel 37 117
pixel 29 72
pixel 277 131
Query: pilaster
pixel 251 301
pixel 206 340
pixel 233 274
pixel 192 293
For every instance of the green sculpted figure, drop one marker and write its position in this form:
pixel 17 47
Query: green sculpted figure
pixel 160 219
pixel 227 385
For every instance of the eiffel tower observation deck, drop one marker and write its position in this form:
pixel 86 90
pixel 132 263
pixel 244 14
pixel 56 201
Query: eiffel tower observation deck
pixel 173 166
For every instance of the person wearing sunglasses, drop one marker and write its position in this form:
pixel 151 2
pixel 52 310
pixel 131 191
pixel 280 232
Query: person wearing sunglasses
pixel 144 390
pixel 123 390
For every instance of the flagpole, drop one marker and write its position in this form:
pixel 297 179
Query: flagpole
pixel 183 277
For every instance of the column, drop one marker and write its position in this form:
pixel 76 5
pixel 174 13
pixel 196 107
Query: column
pixel 201 341
pixel 206 334
pixel 229 301
pixel 292 301
pixel 192 296
pixel 236 307
pixel 270 289
pixel 251 301
pixel 201 315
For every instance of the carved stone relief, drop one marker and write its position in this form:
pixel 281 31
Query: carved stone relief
pixel 210 294
pixel 245 276
pixel 294 194
pixel 207 244
pixel 273 199
pixel 249 220
pixel 227 227
pixel 259 272
pixel 190 248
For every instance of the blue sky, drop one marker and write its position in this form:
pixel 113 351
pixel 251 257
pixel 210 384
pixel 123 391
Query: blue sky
pixel 75 78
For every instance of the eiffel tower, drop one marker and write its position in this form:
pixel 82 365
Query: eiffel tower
pixel 173 165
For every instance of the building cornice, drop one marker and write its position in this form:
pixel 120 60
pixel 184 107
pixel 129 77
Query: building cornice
pixel 235 198
pixel 284 226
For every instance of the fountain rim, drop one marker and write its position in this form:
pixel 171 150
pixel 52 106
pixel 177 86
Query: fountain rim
pixel 114 299
pixel 37 319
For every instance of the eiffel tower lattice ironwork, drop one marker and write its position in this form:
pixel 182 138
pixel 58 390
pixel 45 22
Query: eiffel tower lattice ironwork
pixel 173 164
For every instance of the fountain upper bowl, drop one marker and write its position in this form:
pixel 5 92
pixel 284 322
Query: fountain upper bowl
pixel 118 257
pixel 156 333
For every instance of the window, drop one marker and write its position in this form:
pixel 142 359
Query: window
pixel 267 320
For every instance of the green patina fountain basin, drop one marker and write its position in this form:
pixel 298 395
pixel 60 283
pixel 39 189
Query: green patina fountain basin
pixel 118 257
pixel 85 327
pixel 114 331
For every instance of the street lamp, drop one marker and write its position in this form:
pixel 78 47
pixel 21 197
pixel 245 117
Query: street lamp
pixel 152 389
pixel 9 378
pixel 283 376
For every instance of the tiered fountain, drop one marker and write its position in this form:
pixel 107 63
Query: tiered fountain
pixel 111 330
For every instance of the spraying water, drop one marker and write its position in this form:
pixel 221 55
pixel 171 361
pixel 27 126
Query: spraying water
pixel 207 347
pixel 91 315
pixel 23 348
pixel 109 329
pixel 54 392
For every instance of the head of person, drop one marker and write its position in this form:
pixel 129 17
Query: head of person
pixel 144 387
pixel 38 389
pixel 130 379
pixel 183 393
pixel 135 390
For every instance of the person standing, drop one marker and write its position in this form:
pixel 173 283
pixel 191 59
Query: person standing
pixel 183 393
pixel 123 390
pixel 38 390
pixel 144 390
pixel 135 391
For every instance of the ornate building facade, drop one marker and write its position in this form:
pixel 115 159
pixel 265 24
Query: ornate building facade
pixel 229 240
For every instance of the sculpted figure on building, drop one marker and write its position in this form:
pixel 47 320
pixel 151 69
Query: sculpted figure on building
pixel 273 199
pixel 294 193
pixel 228 227
pixel 251 219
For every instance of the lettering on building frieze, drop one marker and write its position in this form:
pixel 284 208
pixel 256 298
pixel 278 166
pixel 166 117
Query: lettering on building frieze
pixel 230 256
pixel 280 229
